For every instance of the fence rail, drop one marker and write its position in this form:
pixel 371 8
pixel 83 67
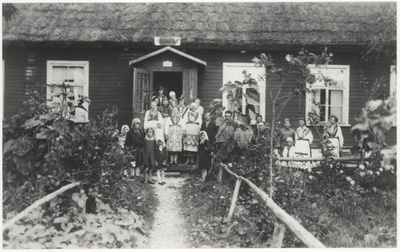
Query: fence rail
pixel 306 237
pixel 322 159
pixel 38 203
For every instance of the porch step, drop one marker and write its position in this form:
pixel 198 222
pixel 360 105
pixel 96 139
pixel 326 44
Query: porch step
pixel 180 168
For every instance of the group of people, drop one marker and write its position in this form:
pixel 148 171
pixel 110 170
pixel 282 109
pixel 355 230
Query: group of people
pixel 170 128
pixel 297 143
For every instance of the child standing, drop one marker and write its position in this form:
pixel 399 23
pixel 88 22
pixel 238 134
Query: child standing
pixel 134 142
pixel 159 132
pixel 149 155
pixel 204 155
pixel 161 160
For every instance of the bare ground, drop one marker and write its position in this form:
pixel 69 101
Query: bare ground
pixel 168 229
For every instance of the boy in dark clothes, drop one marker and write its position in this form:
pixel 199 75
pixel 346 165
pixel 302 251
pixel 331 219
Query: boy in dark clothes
pixel 161 161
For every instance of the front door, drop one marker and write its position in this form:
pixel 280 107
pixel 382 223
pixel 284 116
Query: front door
pixel 142 92
pixel 170 81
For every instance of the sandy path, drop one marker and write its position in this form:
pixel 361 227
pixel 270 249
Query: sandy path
pixel 168 231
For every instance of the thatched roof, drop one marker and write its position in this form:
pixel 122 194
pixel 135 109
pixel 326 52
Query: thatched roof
pixel 204 24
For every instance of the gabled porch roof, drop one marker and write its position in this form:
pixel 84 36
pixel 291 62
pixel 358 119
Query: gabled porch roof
pixel 168 48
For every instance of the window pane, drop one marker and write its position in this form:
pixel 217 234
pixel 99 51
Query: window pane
pixel 336 97
pixel 323 97
pixel 337 111
pixel 60 74
pixel 77 74
pixel 322 113
pixel 54 90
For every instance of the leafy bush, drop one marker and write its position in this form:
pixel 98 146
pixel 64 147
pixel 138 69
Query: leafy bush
pixel 63 224
pixel 43 151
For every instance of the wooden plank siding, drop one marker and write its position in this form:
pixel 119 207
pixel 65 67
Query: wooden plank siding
pixel 110 77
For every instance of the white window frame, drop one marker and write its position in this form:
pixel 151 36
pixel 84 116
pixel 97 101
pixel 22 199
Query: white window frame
pixel 345 88
pixel 69 63
pixel 256 73
pixel 393 86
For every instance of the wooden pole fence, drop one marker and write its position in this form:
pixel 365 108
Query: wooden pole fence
pixel 38 203
pixel 321 159
pixel 306 237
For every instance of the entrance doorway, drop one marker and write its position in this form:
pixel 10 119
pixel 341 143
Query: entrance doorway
pixel 171 81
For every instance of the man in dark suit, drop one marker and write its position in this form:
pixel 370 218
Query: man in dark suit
pixel 209 126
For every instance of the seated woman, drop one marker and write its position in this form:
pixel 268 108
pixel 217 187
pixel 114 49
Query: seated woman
pixel 333 133
pixel 288 151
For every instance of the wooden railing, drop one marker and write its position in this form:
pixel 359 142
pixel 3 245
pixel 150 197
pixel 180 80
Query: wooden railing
pixel 306 237
pixel 38 203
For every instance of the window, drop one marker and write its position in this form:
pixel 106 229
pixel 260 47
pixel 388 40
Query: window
pixel 393 86
pixel 234 72
pixel 73 73
pixel 329 93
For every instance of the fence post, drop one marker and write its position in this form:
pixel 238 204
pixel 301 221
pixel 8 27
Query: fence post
pixel 220 171
pixel 234 199
pixel 279 233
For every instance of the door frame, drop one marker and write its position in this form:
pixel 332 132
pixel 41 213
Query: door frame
pixel 189 79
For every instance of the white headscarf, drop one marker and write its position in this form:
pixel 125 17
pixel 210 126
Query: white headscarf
pixel 135 121
pixel 205 138
pixel 124 127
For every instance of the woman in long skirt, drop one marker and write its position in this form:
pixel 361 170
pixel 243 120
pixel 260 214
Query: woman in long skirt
pixel 174 129
pixel 304 138
pixel 334 134
pixel 192 129
pixel 152 117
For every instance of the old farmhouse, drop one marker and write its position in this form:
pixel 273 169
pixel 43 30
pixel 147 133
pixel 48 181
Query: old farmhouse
pixel 120 53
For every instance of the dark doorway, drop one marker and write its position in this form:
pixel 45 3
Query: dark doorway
pixel 171 81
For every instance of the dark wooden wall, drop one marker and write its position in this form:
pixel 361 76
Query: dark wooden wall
pixel 110 77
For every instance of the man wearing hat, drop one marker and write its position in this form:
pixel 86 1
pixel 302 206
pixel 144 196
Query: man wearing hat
pixel 285 133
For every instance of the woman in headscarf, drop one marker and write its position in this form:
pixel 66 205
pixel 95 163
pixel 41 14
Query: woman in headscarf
pixel 134 142
pixel 333 133
pixel 164 108
pixel 152 117
pixel 182 107
pixel 191 140
pixel 204 155
pixel 173 101
pixel 174 129
pixel 122 135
